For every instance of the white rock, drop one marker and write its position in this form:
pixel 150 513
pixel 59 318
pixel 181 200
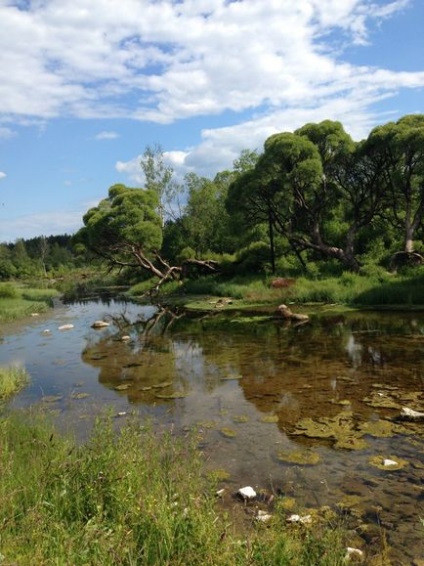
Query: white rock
pixel 220 492
pixel 247 492
pixel 46 331
pixel 298 519
pixel 263 516
pixel 66 327
pixel 125 338
pixel 35 314
pixel 388 462
pixel 411 414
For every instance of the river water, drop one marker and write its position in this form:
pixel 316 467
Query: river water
pixel 308 412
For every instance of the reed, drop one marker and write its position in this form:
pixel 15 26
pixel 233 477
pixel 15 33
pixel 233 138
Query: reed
pixel 12 379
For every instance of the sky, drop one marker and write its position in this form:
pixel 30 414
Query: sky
pixel 87 85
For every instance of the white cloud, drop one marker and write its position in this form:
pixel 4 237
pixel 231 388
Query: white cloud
pixel 48 223
pixel 2 175
pixel 107 136
pixel 168 60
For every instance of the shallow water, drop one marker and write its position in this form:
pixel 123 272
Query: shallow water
pixel 308 411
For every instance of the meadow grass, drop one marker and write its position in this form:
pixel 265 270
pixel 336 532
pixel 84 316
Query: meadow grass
pixel 17 301
pixel 131 497
pixel 12 379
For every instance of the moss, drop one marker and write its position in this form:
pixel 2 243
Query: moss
pixel 300 457
pixel 228 432
pixel 269 419
pixel 388 463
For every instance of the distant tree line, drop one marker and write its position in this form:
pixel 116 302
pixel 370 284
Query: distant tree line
pixel 37 257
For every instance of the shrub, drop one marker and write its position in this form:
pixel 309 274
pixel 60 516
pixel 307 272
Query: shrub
pixel 8 291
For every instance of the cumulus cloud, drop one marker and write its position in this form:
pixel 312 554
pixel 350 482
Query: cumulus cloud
pixel 2 175
pixel 168 60
pixel 271 65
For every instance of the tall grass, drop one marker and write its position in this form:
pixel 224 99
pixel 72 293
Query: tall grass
pixel 12 379
pixel 129 498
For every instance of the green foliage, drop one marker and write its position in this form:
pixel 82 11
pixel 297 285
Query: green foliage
pixel 12 379
pixel 8 291
pixel 254 259
pixel 130 497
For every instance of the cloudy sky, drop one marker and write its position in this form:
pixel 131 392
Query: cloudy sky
pixel 86 85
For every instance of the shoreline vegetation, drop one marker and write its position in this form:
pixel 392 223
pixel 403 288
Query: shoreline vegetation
pixel 131 496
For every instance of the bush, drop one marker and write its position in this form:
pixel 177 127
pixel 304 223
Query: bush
pixel 8 291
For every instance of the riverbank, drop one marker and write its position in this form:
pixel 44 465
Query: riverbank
pixel 130 496
pixel 18 301
pixel 378 290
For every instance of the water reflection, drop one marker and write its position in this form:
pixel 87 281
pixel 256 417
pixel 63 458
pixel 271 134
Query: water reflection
pixel 262 393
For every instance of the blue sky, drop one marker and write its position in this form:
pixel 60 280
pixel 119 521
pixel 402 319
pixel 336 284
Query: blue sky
pixel 86 85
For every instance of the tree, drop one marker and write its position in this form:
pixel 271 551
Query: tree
pixel 126 230
pixel 159 179
pixel 399 146
pixel 314 187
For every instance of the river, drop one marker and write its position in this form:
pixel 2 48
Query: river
pixel 309 412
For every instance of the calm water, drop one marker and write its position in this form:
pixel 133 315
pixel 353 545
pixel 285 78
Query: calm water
pixel 309 412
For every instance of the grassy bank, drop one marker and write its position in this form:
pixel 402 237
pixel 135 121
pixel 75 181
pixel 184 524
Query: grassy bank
pixel 131 498
pixel 374 289
pixel 18 301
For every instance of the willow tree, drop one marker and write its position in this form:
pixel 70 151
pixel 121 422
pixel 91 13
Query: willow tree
pixel 400 147
pixel 316 187
pixel 125 229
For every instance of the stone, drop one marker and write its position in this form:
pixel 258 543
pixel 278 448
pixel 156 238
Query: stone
pixel 100 324
pixel 303 520
pixel 410 414
pixel 66 327
pixel 247 493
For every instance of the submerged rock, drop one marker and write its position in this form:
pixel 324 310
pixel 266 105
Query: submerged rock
pixel 100 324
